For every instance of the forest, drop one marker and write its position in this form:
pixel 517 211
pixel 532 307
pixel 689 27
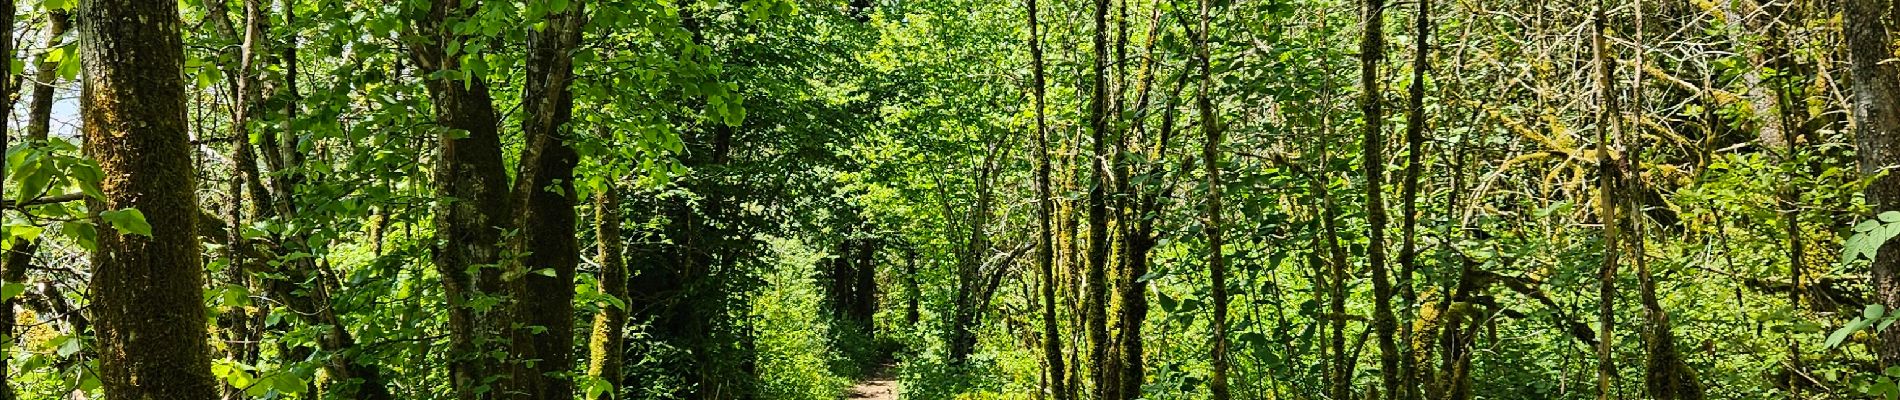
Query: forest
pixel 950 199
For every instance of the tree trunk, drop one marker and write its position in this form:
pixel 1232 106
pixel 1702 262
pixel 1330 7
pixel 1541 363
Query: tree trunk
pixel 1096 277
pixel 606 352
pixel 45 77
pixel 1210 159
pixel 1415 121
pixel 1371 54
pixel 1668 376
pixel 39 114
pixel 471 182
pixel 1045 208
pixel 542 207
pixel 146 289
pixel 1606 213
pixel 1876 109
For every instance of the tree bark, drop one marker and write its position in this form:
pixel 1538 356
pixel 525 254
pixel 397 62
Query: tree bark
pixel 1045 209
pixel 1139 208
pixel 20 253
pixel 146 290
pixel 606 354
pixel 1096 276
pixel 542 208
pixel 472 185
pixel 1415 120
pixel 1876 113
pixel 1210 160
pixel 1371 54
pixel 1606 212
pixel 45 77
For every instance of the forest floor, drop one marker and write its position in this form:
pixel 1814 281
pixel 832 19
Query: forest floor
pixel 880 385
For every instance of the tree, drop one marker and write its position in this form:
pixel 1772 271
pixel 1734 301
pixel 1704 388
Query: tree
pixel 607 349
pixel 470 178
pixel 1415 121
pixel 542 211
pixel 1876 113
pixel 1607 212
pixel 19 252
pixel 1045 207
pixel 1141 205
pixel 1095 302
pixel 1211 160
pixel 1371 54
pixel 39 114
pixel 146 282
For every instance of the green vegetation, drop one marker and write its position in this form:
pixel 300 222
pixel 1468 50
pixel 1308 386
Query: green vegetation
pixel 1021 199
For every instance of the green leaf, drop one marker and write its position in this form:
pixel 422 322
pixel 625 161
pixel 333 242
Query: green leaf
pixel 1890 217
pixel 82 233
pixel 11 289
pixel 1867 225
pixel 288 383
pixel 21 233
pixel 1806 327
pixel 596 387
pixel 128 220
pixel 33 178
pixel 69 68
pixel 67 346
pixel 1840 335
pixel 89 380
pixel 87 175
pixel 1873 311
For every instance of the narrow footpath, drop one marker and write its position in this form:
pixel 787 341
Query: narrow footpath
pixel 878 386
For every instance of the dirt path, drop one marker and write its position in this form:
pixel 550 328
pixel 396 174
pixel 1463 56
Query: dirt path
pixel 879 386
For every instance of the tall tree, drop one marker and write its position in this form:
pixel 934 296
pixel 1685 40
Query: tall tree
pixel 470 181
pixel 1211 160
pixel 607 351
pixel 146 283
pixel 1876 111
pixel 19 252
pixel 1607 182
pixel 1371 55
pixel 1045 207
pixel 543 194
pixel 38 122
pixel 1140 205
pixel 1667 377
pixel 1096 277
pixel 978 275
pixel 1415 120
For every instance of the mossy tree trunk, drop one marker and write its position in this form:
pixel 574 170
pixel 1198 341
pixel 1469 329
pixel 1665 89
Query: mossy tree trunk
pixel 545 252
pixel 1876 112
pixel 146 289
pixel 607 353
pixel 472 186
pixel 1045 228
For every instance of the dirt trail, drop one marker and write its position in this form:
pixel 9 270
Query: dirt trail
pixel 879 386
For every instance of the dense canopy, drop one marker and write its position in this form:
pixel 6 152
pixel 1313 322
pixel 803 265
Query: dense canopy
pixel 950 199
